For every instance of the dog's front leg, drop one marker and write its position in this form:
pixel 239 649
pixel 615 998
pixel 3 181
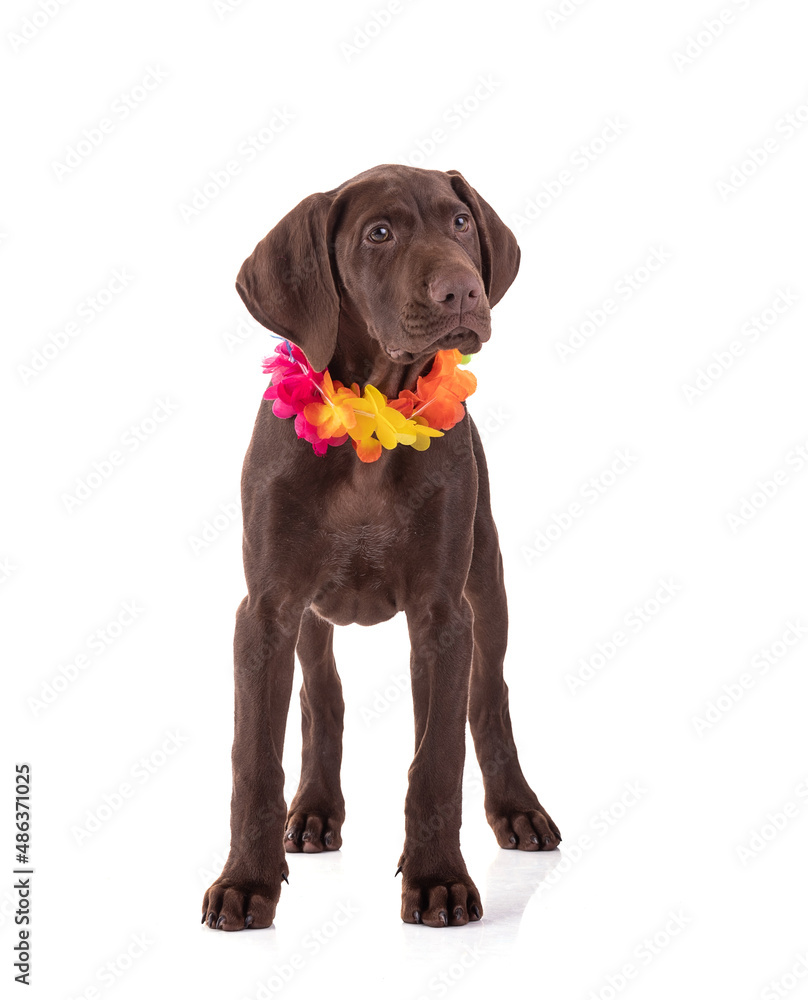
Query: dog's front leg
pixel 247 891
pixel 437 889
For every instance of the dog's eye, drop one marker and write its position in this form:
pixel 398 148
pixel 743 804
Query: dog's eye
pixel 461 223
pixel 379 234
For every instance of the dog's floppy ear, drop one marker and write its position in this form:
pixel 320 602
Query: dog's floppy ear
pixel 288 283
pixel 500 251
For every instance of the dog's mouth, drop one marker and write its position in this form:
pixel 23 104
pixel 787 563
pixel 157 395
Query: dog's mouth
pixel 461 338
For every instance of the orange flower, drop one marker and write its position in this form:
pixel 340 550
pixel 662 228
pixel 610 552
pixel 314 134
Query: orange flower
pixel 439 394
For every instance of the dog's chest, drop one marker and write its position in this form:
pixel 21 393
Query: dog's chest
pixel 364 530
pixel 369 543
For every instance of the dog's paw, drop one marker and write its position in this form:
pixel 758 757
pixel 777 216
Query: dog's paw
pixel 524 829
pixel 449 901
pixel 233 904
pixel 312 832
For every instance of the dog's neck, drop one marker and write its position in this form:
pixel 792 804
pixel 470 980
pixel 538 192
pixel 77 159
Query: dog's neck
pixel 360 358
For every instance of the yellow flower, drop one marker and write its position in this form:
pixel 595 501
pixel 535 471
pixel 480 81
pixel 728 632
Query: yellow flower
pixel 423 433
pixel 390 426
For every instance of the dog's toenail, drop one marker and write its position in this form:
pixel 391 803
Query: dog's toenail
pixel 220 922
pixel 212 920
pixel 444 918
pixel 398 871
pixel 548 840
pixel 417 916
pixel 512 839
pixel 248 920
pixel 285 879
pixel 458 913
pixel 329 839
pixel 204 917
pixel 534 839
pixel 475 911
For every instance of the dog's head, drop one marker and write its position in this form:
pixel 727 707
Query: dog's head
pixel 417 256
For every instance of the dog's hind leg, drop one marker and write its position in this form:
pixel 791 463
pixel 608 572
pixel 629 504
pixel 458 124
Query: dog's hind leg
pixel 515 814
pixel 317 811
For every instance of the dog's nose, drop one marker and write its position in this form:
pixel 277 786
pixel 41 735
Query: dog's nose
pixel 457 293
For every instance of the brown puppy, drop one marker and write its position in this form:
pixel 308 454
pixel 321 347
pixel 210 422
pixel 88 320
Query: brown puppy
pixel 371 280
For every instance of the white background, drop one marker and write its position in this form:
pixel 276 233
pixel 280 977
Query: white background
pixel 557 925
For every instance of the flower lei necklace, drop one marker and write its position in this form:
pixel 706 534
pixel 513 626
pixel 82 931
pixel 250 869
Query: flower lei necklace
pixel 327 413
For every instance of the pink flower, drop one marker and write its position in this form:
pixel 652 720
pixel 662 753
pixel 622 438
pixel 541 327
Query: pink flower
pixel 295 382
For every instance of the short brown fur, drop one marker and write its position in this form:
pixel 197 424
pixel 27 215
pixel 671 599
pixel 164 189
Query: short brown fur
pixel 333 540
